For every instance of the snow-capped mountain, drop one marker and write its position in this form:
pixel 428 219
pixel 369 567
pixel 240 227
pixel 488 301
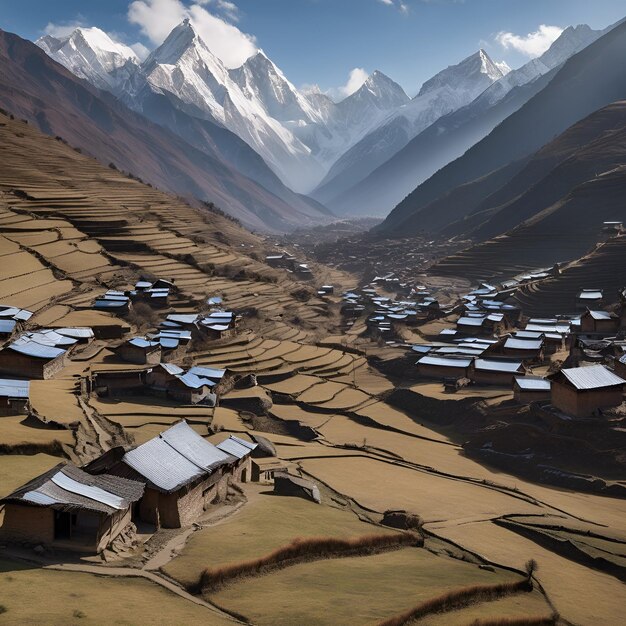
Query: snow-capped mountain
pixel 447 91
pixel 91 54
pixel 185 66
pixel 572 40
pixel 449 137
pixel 346 122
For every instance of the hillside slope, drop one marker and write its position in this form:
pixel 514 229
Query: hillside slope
pixel 37 88
pixel 555 211
pixel 588 81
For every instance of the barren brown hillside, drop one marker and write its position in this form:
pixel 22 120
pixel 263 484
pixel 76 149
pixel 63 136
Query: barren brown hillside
pixel 71 229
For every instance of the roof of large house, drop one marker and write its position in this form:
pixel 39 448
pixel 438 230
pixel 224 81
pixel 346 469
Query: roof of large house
pixel 489 365
pixel 591 377
pixel 175 458
pixel 444 362
pixel 513 343
pixel 66 488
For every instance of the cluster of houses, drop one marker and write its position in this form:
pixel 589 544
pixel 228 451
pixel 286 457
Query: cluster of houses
pixel 493 344
pixel 156 294
pixel 196 385
pixel 385 315
pixel 290 263
pixel 169 481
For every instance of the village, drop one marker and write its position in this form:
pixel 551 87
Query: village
pixel 571 367
pixel 195 417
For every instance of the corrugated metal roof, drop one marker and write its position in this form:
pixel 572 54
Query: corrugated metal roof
pixel 527 334
pixel 76 333
pixel 36 350
pixel 195 382
pixel 171 368
pixel 109 304
pixel 236 447
pixel 488 365
pixel 444 362
pixel 471 321
pixel 162 465
pixel 590 295
pixel 10 388
pixel 67 487
pixel 592 377
pixel 190 318
pixel 513 343
pixel 207 372
pixel 168 343
pixel 218 328
pixel 193 447
pixel 600 315
pixel 533 384
pixel 141 342
pixel 7 326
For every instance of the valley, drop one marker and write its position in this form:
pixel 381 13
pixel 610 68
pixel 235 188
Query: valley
pixel 292 355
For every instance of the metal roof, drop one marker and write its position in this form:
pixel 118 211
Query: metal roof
pixel 7 326
pixel 75 333
pixel 67 487
pixel 142 342
pixel 192 446
pixel 190 318
pixel 10 388
pixel 109 304
pixel 600 315
pixel 532 384
pixel 488 365
pixel 444 362
pixel 172 369
pixel 590 294
pixel 592 377
pixel 207 372
pixel 195 382
pixel 470 321
pixel 36 350
pixel 514 343
pixel 527 334
pixel 236 447
pixel 169 343
pixel 162 465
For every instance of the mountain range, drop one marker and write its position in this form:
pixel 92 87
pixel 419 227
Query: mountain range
pixel 459 140
pixel 482 178
pixel 35 87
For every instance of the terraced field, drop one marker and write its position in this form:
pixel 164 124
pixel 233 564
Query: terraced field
pixel 69 230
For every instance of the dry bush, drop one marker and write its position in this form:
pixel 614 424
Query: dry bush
pixel 530 620
pixel 305 549
pixel 457 599
pixel 142 316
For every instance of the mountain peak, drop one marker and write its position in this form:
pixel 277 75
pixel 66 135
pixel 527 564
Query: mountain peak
pixel 478 68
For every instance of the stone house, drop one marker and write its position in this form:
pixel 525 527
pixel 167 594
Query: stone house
pixel 68 508
pixel 183 474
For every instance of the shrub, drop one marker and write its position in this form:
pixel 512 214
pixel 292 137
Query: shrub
pixel 305 549
pixel 457 599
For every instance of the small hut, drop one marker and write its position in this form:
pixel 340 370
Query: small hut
pixel 585 391
pixel 140 350
pixel 13 396
pixel 69 509
pixel 528 389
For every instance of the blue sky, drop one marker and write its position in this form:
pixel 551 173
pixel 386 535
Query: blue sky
pixel 322 41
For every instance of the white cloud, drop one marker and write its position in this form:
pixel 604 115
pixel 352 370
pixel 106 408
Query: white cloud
pixel 140 50
pixel 533 44
pixel 62 30
pixel 402 6
pixel 157 18
pixel 356 78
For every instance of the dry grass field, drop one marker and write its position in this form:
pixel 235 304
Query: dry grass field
pixel 69 230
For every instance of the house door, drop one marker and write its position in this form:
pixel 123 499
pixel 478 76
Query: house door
pixel 62 525
pixel 244 475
